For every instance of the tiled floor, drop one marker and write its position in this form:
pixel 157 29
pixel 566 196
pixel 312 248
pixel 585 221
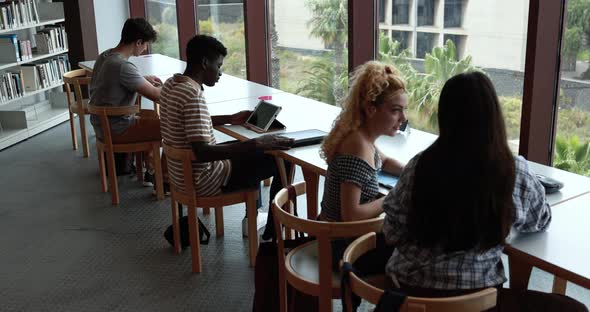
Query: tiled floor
pixel 66 248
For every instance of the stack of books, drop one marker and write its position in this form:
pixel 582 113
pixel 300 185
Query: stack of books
pixel 51 39
pixel 19 13
pixel 14 50
pixel 32 77
pixel 11 86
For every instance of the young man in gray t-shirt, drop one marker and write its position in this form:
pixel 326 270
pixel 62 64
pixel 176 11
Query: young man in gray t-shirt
pixel 116 82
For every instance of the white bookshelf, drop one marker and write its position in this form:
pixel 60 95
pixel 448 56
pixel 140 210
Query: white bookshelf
pixel 36 57
pixel 36 111
pixel 28 94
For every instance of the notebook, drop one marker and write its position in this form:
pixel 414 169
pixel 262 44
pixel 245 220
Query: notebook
pixel 305 137
pixel 386 180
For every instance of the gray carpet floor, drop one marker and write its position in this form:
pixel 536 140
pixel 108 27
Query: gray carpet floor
pixel 66 248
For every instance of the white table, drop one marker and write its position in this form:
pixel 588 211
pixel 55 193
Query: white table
pixel 228 88
pixel 562 250
pixel 300 113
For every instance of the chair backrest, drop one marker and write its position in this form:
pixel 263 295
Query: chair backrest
pixel 475 302
pixel 323 231
pixel 76 79
pixel 104 111
pixel 186 157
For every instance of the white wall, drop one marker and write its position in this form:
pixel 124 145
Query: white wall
pixel 110 16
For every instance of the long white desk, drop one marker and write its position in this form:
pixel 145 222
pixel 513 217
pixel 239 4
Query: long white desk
pixel 228 88
pixel 300 113
pixel 562 250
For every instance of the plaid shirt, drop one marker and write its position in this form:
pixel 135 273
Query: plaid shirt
pixel 433 268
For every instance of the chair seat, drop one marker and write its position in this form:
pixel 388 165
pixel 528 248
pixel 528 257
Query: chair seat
pixel 303 261
pixel 75 108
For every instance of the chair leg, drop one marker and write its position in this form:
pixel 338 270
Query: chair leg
pixel 102 170
pixel 114 188
pixel 219 221
pixel 85 149
pixel 73 132
pixel 139 166
pixel 193 226
pixel 159 176
pixel 175 226
pixel 206 210
pixel 252 225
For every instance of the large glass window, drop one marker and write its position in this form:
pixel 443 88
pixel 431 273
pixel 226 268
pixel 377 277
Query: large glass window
pixel 424 43
pixel 572 145
pixel 403 37
pixel 453 13
pixel 426 12
pixel 400 12
pixel 491 39
pixel 162 15
pixel 224 20
pixel 309 48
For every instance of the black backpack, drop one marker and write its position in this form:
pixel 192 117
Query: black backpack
pixel 184 233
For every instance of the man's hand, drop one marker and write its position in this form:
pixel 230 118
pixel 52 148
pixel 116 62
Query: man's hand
pixel 239 118
pixel 272 142
pixel 155 81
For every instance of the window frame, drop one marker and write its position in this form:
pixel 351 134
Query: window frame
pixel 546 24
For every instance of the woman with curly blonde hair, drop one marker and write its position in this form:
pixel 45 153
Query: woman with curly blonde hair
pixel 373 107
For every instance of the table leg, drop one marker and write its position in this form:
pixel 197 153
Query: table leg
pixel 520 273
pixel 312 181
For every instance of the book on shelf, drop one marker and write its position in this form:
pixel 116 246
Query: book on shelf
pixel 12 85
pixel 9 49
pixel 51 39
pixel 18 13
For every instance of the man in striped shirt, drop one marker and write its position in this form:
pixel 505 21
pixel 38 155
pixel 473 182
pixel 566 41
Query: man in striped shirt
pixel 186 123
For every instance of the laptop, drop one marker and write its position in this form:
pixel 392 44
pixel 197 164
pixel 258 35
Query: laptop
pixel 305 137
pixel 386 180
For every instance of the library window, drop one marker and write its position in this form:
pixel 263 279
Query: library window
pixel 425 12
pixel 308 50
pixel 572 138
pixel 224 20
pixel 162 15
pixel 400 12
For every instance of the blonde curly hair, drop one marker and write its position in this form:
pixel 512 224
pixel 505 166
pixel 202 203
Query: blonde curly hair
pixel 370 83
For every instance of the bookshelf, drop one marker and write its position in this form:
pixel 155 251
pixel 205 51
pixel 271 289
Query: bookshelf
pixel 28 113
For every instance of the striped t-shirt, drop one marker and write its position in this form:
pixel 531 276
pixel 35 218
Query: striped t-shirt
pixel 184 118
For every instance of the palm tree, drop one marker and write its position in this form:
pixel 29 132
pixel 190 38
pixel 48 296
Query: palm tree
pixel 440 65
pixel 329 22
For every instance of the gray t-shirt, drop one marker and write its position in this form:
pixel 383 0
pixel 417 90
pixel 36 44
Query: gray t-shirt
pixel 114 83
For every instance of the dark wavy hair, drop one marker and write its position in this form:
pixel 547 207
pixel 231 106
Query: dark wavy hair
pixel 200 47
pixel 463 184
pixel 138 29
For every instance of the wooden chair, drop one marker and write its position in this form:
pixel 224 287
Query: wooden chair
pixel 186 195
pixel 106 146
pixel 76 79
pixel 308 267
pixel 479 301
